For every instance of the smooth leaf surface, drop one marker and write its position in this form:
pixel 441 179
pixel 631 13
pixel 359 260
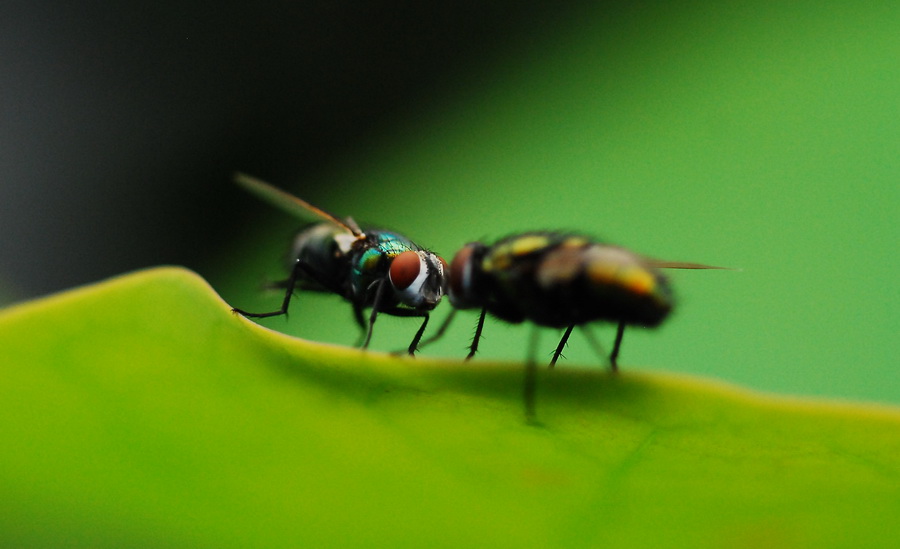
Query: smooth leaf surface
pixel 141 412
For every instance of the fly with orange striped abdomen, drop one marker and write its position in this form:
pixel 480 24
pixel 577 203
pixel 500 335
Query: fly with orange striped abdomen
pixel 560 280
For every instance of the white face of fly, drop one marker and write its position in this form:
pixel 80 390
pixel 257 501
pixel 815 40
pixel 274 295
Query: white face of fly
pixel 419 279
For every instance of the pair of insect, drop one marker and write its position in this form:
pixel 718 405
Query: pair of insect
pixel 559 280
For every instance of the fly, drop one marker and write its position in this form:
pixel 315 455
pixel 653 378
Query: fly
pixel 560 280
pixel 369 267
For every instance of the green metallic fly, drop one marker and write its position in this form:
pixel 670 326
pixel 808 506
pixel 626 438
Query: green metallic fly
pixel 370 268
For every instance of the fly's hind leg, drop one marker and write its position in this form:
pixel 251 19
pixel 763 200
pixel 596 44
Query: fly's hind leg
pixel 289 286
pixel 620 331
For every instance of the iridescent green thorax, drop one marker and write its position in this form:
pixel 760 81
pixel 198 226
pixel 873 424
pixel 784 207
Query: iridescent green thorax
pixel 372 257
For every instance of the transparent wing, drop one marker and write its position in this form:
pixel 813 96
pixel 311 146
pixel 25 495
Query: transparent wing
pixel 662 264
pixel 290 203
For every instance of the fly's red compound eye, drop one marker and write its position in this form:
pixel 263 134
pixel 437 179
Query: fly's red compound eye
pixel 405 269
pixel 458 269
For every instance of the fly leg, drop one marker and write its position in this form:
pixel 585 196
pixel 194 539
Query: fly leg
pixel 589 335
pixel 379 293
pixel 473 348
pixel 414 345
pixel 529 385
pixel 379 286
pixel 440 331
pixel 361 322
pixel 289 286
pixel 562 345
pixel 620 331
pixel 396 311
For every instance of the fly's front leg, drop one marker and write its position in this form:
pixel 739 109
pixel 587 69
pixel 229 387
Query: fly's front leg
pixel 414 345
pixel 473 348
pixel 397 311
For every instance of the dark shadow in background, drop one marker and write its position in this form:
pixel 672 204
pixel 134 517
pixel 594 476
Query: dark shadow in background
pixel 121 124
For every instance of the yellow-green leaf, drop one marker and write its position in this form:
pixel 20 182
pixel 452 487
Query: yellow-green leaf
pixel 140 412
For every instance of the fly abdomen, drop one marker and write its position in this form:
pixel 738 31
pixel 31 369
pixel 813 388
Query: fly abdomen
pixel 622 288
pixel 319 249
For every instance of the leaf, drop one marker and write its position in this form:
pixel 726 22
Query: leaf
pixel 141 412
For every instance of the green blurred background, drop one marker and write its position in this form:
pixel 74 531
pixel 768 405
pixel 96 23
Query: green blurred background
pixel 761 137
pixel 764 138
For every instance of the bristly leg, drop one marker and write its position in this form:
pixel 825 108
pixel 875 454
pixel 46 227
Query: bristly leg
pixel 562 345
pixel 414 345
pixel 473 348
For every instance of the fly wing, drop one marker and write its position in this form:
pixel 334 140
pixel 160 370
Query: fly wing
pixel 290 203
pixel 663 264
